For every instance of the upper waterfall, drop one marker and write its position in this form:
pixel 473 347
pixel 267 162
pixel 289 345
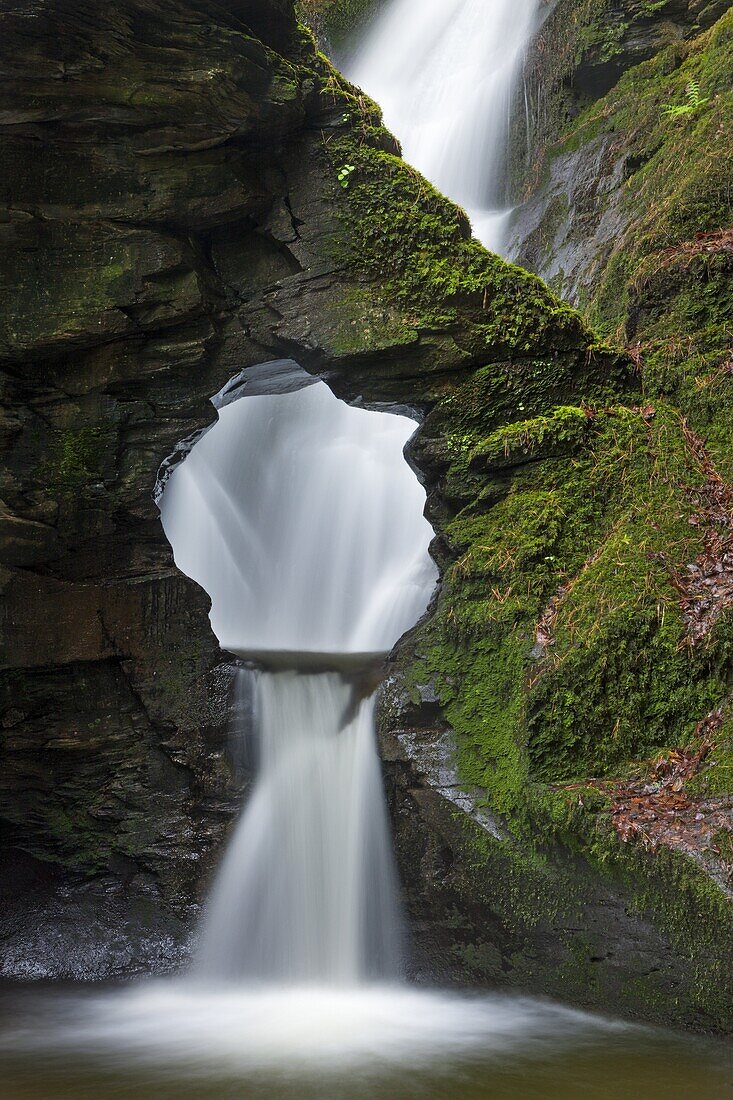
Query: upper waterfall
pixel 444 72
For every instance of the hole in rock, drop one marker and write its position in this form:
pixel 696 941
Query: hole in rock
pixel 299 516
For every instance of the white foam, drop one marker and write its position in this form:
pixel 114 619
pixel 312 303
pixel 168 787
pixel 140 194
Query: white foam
pixel 193 1028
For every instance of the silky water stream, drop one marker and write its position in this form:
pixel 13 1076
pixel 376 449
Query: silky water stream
pixel 446 73
pixel 301 518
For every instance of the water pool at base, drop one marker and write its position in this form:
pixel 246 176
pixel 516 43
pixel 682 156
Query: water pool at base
pixel 181 1039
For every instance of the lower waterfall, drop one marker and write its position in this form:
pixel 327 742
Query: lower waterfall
pixel 306 891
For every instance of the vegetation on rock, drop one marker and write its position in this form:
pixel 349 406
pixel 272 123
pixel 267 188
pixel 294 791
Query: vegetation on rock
pixel 335 21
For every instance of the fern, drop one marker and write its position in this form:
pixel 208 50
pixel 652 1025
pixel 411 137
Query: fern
pixel 694 102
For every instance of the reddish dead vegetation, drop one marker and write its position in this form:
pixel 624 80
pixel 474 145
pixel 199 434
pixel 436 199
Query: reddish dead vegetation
pixel 706 585
pixel 545 629
pixel 677 259
pixel 656 809
pixel 702 244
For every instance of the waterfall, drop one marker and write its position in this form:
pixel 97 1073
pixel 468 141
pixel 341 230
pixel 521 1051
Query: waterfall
pixel 445 73
pixel 306 891
pixel 300 517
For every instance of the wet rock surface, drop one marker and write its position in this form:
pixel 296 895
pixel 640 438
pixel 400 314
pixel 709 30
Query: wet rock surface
pixel 576 192
pixel 568 229
pixel 484 908
pixel 109 927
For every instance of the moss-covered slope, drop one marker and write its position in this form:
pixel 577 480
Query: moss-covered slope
pixel 642 240
pixel 603 685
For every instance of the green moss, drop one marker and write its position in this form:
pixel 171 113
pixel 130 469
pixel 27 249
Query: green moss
pixel 400 235
pixel 426 262
pixel 336 20
pixel 72 839
pixel 621 677
pixel 75 457
pixel 692 909
pixel 667 285
pixel 566 429
pixel 604 38
pixel 416 274
pixel 685 904
pixel 583 512
pixel 601 515
pixel 716 774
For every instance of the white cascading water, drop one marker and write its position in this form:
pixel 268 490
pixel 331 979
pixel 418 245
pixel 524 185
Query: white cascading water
pixel 306 892
pixel 299 516
pixel 444 72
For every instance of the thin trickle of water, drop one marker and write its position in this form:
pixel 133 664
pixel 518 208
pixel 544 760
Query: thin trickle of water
pixel 444 72
pixel 300 517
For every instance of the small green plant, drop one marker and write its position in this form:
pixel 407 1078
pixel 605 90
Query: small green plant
pixel 694 102
pixel 649 7
pixel 344 175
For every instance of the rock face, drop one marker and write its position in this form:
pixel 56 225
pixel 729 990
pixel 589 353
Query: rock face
pixel 172 213
pixel 584 46
pixel 608 168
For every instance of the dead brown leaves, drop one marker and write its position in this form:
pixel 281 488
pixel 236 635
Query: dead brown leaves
pixel 721 240
pixel 705 586
pixel 657 808
pixel 677 259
